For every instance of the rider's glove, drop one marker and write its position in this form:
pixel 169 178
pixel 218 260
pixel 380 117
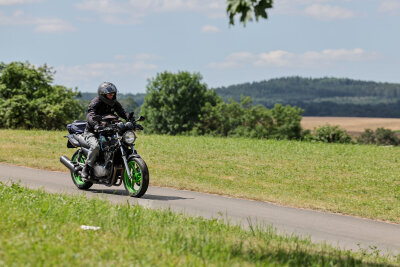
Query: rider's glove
pixel 98 128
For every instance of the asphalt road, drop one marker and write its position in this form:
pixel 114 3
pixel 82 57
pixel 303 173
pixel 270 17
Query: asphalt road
pixel 338 230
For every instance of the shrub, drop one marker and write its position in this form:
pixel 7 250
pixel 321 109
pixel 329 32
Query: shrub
pixel 367 137
pixel 386 137
pixel 381 136
pixel 245 120
pixel 331 134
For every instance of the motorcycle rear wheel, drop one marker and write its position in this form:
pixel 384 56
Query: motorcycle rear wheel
pixel 137 186
pixel 76 178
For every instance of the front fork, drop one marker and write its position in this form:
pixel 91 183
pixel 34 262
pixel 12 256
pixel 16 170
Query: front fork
pixel 124 157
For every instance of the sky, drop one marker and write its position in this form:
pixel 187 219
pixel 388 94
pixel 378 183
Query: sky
pixel 128 42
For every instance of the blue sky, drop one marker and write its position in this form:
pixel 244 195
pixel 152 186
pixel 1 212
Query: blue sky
pixel 128 42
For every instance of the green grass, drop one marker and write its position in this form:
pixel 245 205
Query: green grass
pixel 360 180
pixel 42 229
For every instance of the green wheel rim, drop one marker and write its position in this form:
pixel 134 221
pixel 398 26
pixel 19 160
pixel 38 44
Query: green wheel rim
pixel 133 185
pixel 78 178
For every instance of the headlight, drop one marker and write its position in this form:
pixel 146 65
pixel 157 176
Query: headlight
pixel 129 137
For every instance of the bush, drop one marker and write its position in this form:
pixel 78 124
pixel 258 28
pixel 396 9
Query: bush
pixel 245 120
pixel 367 137
pixel 29 100
pixel 386 137
pixel 381 136
pixel 331 134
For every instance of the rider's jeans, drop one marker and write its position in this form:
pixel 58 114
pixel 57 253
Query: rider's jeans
pixel 94 149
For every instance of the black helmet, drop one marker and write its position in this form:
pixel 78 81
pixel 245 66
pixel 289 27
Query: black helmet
pixel 107 88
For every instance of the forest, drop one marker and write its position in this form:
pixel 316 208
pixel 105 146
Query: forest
pixel 322 96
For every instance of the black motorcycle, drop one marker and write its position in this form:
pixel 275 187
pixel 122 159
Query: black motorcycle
pixel 118 160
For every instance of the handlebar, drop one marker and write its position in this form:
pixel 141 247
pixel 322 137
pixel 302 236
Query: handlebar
pixel 115 127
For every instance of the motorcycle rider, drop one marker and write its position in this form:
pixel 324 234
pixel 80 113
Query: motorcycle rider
pixel 105 103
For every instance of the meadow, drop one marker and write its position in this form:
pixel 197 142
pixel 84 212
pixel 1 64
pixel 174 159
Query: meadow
pixel 359 180
pixel 42 229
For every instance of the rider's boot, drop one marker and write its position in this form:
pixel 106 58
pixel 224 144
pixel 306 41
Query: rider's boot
pixel 85 171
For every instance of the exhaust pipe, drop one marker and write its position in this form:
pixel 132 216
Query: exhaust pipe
pixel 67 163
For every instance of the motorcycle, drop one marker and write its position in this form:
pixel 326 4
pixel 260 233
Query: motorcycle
pixel 118 161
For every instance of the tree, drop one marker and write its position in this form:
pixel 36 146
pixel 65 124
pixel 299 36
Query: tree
pixel 29 100
pixel 246 8
pixel 287 121
pixel 173 102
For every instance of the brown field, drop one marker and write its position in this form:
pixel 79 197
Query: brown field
pixel 352 124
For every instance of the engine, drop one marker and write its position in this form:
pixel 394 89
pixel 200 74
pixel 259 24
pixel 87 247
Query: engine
pixel 100 170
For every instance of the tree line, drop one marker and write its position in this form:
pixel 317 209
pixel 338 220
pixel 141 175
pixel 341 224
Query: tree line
pixel 322 96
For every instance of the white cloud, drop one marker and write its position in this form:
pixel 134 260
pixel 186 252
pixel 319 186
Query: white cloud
pixel 49 25
pixel 106 70
pixel 210 29
pixel 277 58
pixel 132 11
pixel 328 12
pixel 280 58
pixel 318 9
pixel 390 6
pixel 15 2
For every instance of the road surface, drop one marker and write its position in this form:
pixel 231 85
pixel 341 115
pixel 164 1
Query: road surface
pixel 338 230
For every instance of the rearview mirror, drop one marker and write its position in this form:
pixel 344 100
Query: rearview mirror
pixel 141 118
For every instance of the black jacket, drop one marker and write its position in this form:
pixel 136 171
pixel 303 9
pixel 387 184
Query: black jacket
pixel 98 107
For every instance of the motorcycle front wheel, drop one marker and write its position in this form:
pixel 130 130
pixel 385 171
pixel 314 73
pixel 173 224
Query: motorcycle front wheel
pixel 139 172
pixel 76 178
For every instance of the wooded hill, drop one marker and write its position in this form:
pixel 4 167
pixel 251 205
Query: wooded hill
pixel 322 96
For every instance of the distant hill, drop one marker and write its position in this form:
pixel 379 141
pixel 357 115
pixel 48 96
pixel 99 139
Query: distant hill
pixel 322 96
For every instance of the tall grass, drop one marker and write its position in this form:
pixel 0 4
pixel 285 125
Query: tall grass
pixel 41 229
pixel 360 180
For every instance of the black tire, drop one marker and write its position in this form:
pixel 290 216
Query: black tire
pixel 76 178
pixel 137 186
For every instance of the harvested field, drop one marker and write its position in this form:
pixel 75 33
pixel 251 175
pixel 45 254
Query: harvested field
pixel 352 124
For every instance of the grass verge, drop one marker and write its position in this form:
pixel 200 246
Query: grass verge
pixel 360 180
pixel 42 229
